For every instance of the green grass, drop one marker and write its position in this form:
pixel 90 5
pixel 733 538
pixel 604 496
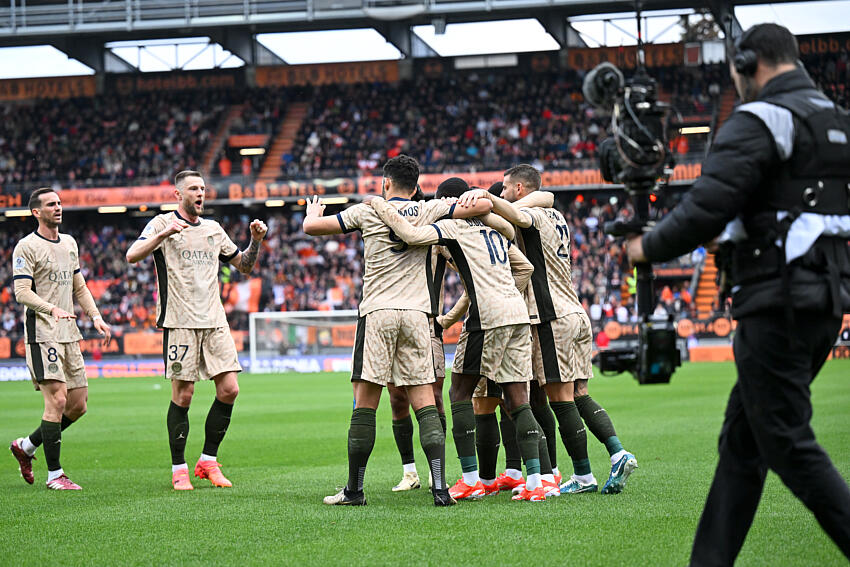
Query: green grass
pixel 286 450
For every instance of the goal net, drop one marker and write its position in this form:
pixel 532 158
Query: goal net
pixel 301 341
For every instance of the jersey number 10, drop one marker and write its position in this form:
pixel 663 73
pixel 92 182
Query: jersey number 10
pixel 495 246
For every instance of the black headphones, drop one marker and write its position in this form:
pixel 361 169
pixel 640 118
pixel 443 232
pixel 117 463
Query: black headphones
pixel 745 60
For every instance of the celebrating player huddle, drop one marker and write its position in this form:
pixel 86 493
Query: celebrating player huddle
pixel 523 323
pixel 510 336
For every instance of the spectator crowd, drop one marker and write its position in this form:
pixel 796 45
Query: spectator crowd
pixel 299 273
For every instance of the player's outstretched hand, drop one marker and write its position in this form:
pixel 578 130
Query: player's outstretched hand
pixel 61 314
pixel 469 198
pixel 176 226
pixel 258 230
pixel 104 329
pixel 315 208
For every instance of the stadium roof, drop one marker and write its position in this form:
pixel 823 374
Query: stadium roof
pixel 223 33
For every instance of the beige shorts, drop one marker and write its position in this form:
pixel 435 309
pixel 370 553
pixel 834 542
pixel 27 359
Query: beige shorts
pixel 502 354
pixel 437 352
pixel 486 388
pixel 62 362
pixel 198 354
pixel 562 349
pixel 393 346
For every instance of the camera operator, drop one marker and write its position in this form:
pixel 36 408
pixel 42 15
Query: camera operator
pixel 779 174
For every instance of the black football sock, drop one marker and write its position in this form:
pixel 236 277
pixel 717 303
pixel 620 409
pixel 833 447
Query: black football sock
pixel 36 438
pixel 218 419
pixel 544 417
pixel 51 433
pixel 463 431
pixel 599 423
pixel 528 437
pixel 443 423
pixel 361 441
pixel 573 434
pixel 433 442
pixel 513 458
pixel 177 421
pixel 487 442
pixel 403 434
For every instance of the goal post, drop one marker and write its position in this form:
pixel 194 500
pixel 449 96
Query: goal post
pixel 301 341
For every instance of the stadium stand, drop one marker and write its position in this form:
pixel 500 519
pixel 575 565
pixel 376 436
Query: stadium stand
pixel 107 139
pixel 465 122
pixel 462 122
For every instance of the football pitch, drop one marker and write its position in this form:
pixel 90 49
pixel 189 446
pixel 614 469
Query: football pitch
pixel 286 449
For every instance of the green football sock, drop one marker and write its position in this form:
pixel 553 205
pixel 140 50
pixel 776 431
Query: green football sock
pixel 573 434
pixel 403 434
pixel 544 417
pixel 36 438
pixel 177 421
pixel 218 420
pixel 487 443
pixel 463 431
pixel 513 458
pixel 433 442
pixel 361 440
pixel 528 437
pixel 599 423
pixel 543 451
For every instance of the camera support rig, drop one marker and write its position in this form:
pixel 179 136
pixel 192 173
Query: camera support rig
pixel 637 157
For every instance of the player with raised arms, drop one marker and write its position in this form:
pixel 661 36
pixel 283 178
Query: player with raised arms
pixel 196 341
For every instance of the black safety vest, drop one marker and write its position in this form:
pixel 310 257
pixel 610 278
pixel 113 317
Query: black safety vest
pixel 814 179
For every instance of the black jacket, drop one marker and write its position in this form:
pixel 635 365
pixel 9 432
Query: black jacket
pixel 736 175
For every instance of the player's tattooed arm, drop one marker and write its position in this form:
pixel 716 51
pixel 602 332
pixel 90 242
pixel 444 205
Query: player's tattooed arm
pixel 505 228
pixel 248 257
pixel 415 236
pixel 521 268
pixel 455 313
pixel 543 199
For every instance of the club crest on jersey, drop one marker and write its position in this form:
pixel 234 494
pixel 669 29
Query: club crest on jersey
pixel 210 240
pixel 176 367
pixel 73 255
pixel 20 262
pixel 53 368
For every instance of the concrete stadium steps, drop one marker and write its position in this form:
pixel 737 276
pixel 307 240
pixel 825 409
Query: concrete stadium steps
pixel 208 161
pixel 707 288
pixel 283 141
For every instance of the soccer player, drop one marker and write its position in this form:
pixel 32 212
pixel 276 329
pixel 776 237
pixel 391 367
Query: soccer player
pixel 561 366
pixel 196 341
pixel 495 342
pixel 392 340
pixel 399 402
pixel 47 279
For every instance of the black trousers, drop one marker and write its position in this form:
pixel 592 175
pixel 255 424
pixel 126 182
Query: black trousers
pixel 767 427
